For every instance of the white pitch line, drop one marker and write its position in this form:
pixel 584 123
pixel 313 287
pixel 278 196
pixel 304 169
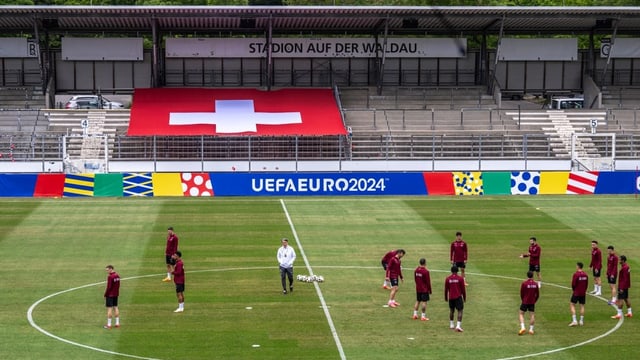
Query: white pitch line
pixel 334 332
pixel 324 306
pixel 552 351
pixel 32 323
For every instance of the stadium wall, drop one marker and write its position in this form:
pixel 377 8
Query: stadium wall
pixel 201 184
pixel 313 166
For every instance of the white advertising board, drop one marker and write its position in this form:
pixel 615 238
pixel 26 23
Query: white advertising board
pixel 99 49
pixel 538 49
pixel 621 48
pixel 18 48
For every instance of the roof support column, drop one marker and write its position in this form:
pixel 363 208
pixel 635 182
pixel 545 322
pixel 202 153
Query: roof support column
pixel 269 53
pixel 44 57
pixel 493 76
pixel 591 57
pixel 483 61
pixel 495 64
pixel 606 66
pixel 36 34
pixel 382 58
pixel 155 54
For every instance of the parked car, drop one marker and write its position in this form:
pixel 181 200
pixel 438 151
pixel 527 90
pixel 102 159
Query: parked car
pixel 92 102
pixel 562 103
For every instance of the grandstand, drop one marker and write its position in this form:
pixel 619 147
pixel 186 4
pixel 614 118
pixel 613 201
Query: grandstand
pixel 450 105
pixel 403 127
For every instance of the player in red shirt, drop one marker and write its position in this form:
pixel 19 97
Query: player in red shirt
pixel 612 272
pixel 178 279
pixel 529 294
pixel 534 258
pixel 596 266
pixel 385 262
pixel 579 284
pixel 624 284
pixel 423 289
pixel 394 272
pixel 458 254
pixel 455 293
pixel 111 296
pixel 170 249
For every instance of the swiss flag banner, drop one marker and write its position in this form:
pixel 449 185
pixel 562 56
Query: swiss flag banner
pixel 229 112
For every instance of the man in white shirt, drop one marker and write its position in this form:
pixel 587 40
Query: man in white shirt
pixel 286 257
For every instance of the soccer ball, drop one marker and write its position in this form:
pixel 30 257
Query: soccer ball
pixel 310 278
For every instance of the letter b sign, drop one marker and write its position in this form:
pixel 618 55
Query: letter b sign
pixel 32 49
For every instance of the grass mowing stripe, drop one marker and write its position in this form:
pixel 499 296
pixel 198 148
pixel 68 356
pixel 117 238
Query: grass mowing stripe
pixel 65 242
pixel 61 248
pixel 334 332
pixel 47 333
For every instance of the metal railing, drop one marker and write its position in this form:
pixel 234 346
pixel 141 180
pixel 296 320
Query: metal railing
pixel 466 133
pixel 381 146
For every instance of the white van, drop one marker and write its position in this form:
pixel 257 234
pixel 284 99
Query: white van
pixel 561 103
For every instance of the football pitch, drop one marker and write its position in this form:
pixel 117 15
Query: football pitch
pixel 55 251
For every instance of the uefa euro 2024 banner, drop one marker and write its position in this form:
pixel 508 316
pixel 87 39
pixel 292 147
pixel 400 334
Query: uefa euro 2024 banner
pixel 201 184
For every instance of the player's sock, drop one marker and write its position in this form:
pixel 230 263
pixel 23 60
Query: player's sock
pixel 109 322
pixel 117 321
pixel 451 324
pixel 573 318
pixel 619 311
pixel 629 311
pixel 530 327
pixel 424 314
pixel 522 325
pixel 168 275
pixel 181 305
pixel 581 318
pixel 415 312
pixel 458 324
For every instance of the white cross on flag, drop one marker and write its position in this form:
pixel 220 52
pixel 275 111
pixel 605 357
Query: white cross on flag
pixel 201 111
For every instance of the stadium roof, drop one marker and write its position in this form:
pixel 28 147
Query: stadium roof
pixel 322 19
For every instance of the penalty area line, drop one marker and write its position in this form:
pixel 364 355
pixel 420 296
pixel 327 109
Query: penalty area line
pixel 325 308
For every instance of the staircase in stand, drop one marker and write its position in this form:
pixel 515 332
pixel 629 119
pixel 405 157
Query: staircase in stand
pixel 561 133
pixel 560 127
pixel 92 143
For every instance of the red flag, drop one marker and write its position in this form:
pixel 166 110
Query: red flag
pixel 227 112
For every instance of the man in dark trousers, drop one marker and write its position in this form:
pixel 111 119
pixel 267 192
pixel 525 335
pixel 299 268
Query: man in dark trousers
pixel 529 294
pixel 455 293
pixel 111 296
pixel 178 279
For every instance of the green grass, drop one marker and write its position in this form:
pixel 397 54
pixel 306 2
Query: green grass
pixel 229 245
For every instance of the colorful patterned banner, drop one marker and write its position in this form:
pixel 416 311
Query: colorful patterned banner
pixel 196 184
pixel 137 184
